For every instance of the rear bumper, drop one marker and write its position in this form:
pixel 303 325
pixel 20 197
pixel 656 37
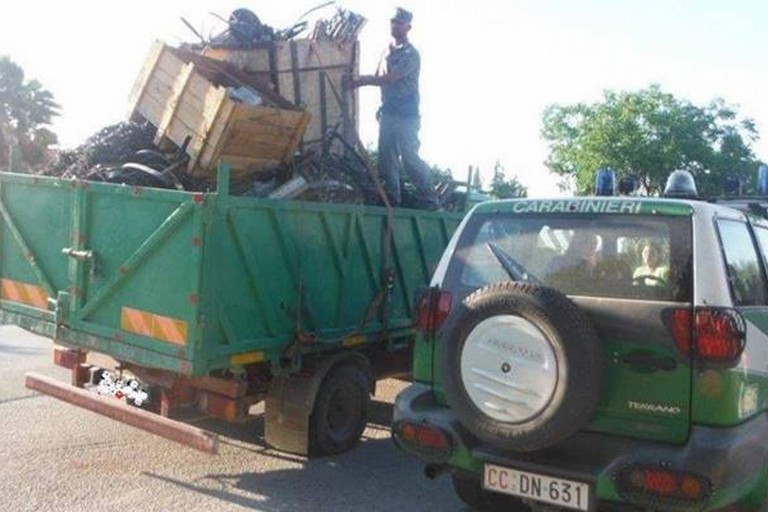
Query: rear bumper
pixel 173 430
pixel 733 459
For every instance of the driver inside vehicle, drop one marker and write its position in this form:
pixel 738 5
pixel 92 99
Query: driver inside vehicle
pixel 651 272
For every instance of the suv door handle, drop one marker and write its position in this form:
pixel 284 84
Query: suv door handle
pixel 648 362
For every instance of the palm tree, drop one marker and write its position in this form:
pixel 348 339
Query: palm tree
pixel 25 108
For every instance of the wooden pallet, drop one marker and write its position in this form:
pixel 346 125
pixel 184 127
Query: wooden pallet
pixel 186 95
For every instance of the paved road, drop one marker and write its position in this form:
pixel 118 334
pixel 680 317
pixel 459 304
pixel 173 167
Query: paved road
pixel 57 457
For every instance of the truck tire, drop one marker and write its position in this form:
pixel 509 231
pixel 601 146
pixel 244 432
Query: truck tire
pixel 341 410
pixel 470 491
pixel 522 367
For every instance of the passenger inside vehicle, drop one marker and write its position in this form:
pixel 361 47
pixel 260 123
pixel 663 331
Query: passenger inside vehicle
pixel 582 254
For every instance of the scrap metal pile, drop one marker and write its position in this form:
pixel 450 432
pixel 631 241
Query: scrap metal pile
pixel 125 153
pixel 334 171
pixel 246 30
pixel 109 146
pixel 344 27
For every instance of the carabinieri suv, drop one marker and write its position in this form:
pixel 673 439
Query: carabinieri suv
pixel 597 353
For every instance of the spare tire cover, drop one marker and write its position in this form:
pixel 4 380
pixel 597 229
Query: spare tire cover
pixel 522 366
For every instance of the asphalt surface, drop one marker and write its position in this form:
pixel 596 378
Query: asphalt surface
pixel 57 457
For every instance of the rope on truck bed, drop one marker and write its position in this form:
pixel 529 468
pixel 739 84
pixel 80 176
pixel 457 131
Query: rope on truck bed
pixel 379 301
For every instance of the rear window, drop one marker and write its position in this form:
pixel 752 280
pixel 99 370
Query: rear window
pixel 616 256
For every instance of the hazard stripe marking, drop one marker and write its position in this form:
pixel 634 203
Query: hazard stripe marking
pixel 354 340
pixel 136 321
pixel 24 293
pixel 170 329
pixel 159 327
pixel 247 358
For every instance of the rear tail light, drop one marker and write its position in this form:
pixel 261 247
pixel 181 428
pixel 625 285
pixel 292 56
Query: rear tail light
pixel 432 308
pixel 709 334
pixel 681 324
pixel 720 334
pixel 657 486
pixel 429 441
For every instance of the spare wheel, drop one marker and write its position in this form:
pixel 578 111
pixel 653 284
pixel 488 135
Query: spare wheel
pixel 522 367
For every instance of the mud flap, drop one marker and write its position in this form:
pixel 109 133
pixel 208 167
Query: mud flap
pixel 288 408
pixel 291 400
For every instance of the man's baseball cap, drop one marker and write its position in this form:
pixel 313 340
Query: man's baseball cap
pixel 402 16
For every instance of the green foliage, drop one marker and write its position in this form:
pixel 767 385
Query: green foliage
pixel 648 134
pixel 506 188
pixel 440 174
pixel 25 108
pixel 477 181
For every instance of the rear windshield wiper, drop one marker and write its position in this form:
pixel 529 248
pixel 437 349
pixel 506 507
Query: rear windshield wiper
pixel 515 270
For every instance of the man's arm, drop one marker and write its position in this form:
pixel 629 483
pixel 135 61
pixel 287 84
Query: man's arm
pixel 375 80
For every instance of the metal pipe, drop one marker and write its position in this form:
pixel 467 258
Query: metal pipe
pixel 177 431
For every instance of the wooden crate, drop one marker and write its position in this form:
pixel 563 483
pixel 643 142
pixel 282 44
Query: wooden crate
pixel 185 95
pixel 308 73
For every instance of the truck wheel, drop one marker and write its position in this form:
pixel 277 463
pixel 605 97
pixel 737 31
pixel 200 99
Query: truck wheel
pixel 341 410
pixel 522 366
pixel 470 491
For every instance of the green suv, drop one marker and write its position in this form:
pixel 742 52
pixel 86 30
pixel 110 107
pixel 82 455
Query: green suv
pixel 597 353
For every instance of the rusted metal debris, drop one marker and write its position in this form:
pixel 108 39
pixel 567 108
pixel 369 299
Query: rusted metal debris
pixel 334 173
pixel 246 30
pixel 125 153
pixel 110 146
pixel 343 27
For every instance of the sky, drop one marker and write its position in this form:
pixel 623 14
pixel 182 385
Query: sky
pixel 489 68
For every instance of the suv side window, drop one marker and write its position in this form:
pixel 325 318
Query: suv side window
pixel 761 233
pixel 745 275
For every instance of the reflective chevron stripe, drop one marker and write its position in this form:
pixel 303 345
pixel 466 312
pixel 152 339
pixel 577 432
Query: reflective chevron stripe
pixel 154 326
pixel 24 293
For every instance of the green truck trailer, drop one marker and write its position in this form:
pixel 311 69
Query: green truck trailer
pixel 214 301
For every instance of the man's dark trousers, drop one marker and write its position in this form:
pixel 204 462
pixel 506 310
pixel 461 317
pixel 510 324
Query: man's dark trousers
pixel 398 150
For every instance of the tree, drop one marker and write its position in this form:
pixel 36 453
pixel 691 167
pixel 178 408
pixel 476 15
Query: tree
pixel 477 180
pixel 440 174
pixel 506 188
pixel 648 134
pixel 25 109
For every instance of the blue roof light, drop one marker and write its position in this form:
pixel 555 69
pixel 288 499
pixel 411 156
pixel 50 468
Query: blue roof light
pixel 605 182
pixel 762 180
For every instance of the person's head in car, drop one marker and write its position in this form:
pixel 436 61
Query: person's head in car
pixel 651 255
pixel 652 271
pixel 580 256
pixel 583 249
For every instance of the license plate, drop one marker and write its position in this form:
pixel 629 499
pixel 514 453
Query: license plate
pixel 547 489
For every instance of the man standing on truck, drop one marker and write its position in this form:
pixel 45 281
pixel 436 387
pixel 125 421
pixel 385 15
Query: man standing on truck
pixel 399 118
